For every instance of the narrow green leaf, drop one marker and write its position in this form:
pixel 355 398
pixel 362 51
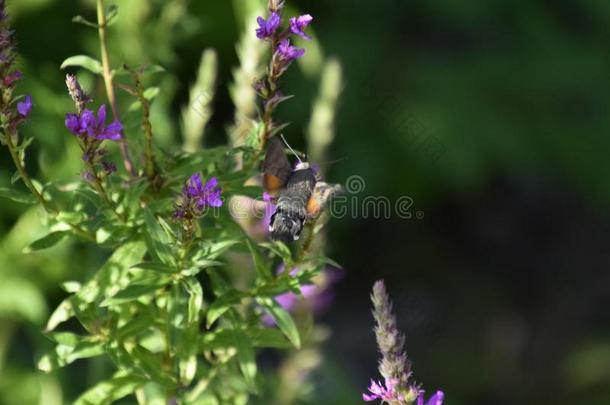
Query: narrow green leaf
pixel 17 196
pixel 262 268
pixel 154 266
pixel 246 357
pixel 85 62
pixel 62 313
pixel 136 290
pixel 82 20
pixel 106 392
pixel 283 319
pixel 46 242
pixel 15 177
pixel 70 347
pixel 222 304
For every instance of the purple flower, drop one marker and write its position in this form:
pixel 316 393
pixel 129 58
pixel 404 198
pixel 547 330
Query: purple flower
pixel 436 399
pixel 24 107
pixel 196 197
pixel 268 27
pixel 385 394
pixel 288 52
pixel 298 24
pixel 204 196
pixel 94 127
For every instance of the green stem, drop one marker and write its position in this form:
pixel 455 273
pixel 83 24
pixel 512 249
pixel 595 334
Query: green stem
pixel 10 135
pixel 109 84
pixel 98 186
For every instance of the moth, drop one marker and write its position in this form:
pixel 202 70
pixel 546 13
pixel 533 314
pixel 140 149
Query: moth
pixel 300 195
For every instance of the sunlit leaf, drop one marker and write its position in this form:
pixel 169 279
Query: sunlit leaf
pixel 283 319
pixel 85 62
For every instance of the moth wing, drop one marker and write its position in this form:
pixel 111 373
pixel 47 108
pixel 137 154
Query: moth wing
pixel 276 166
pixel 322 194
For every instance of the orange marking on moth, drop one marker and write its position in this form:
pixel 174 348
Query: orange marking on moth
pixel 313 206
pixel 272 184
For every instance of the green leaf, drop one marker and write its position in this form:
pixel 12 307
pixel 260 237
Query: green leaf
pixel 70 347
pixel 222 304
pixel 262 268
pixel 46 242
pixel 62 313
pixel 280 250
pixel 246 357
pixel 136 290
pixel 154 266
pixel 268 338
pixel 283 319
pixel 106 392
pixel 15 177
pixel 17 196
pixel 158 239
pixel 82 20
pixel 85 62
pixel 200 265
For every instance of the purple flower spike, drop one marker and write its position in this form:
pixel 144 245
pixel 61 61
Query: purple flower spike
pixel 436 399
pixel 12 78
pixel 25 107
pixel 268 27
pixel 288 52
pixel 298 24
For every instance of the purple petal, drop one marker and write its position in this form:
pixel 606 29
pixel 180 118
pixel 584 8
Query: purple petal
pixel 210 184
pixel 72 123
pixel 437 398
pixel 214 199
pixel 268 27
pixel 369 398
pixel 25 106
pixel 298 24
pixel 194 185
pixel 112 132
pixel 101 116
pixel 87 123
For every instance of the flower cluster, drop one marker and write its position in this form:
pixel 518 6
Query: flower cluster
pixel 196 197
pixel 9 76
pixel 394 365
pixel 91 130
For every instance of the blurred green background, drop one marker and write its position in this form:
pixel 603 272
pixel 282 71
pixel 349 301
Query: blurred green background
pixel 492 116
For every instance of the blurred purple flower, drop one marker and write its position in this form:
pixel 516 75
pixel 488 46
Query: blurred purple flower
pixel 25 107
pixel 88 124
pixel 298 24
pixel 385 393
pixel 268 27
pixel 12 78
pixel 204 196
pixel 436 399
pixel 287 52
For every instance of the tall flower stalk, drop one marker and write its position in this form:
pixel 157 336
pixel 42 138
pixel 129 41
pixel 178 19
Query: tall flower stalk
pixel 394 366
pixel 109 82
pixel 283 54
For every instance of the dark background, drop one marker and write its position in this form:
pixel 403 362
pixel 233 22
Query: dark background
pixel 493 116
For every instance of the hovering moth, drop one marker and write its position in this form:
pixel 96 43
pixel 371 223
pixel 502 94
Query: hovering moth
pixel 300 196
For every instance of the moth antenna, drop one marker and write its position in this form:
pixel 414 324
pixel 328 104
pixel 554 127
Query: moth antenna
pixel 291 150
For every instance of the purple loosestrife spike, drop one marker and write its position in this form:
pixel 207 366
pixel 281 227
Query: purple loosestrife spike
pixel 25 107
pixel 298 24
pixel 268 27
pixel 287 52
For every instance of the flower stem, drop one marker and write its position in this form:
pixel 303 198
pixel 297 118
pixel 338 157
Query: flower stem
pixel 98 186
pixel 10 136
pixel 108 82
pixel 146 127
